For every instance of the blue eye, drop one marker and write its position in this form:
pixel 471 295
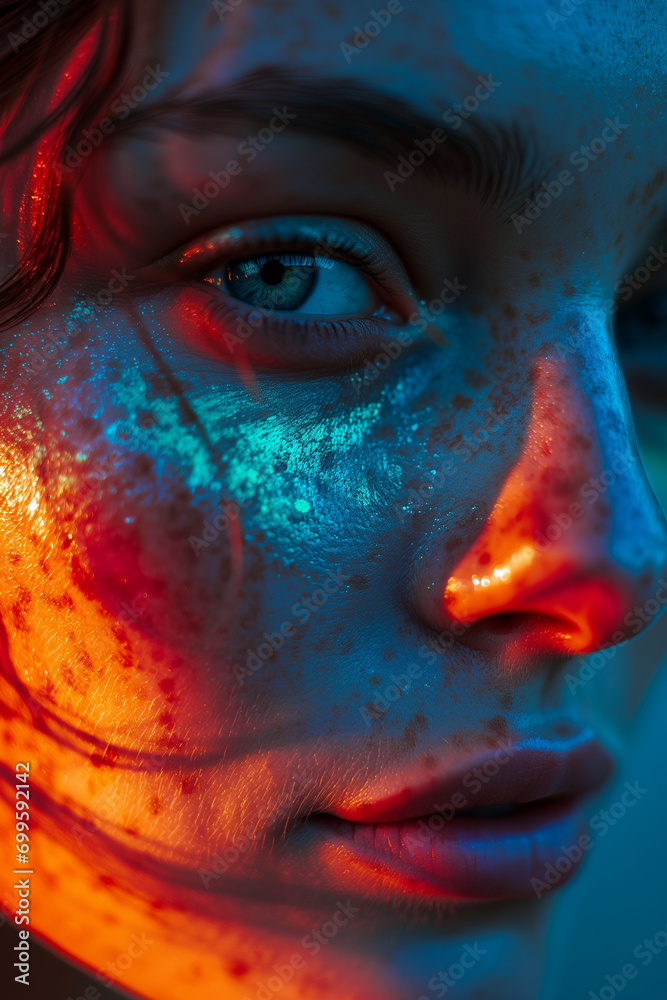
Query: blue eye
pixel 296 282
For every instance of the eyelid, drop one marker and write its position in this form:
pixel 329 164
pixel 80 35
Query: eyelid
pixel 342 239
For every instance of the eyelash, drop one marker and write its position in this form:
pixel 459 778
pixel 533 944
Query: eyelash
pixel 350 253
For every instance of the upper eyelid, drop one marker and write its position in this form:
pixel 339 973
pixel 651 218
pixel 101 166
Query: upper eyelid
pixel 215 256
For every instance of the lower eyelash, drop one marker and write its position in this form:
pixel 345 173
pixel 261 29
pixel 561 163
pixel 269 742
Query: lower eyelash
pixel 344 342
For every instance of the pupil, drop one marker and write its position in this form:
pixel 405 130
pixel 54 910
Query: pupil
pixel 272 272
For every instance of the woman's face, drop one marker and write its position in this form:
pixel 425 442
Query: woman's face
pixel 330 532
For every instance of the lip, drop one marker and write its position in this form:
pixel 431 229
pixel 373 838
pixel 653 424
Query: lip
pixel 420 840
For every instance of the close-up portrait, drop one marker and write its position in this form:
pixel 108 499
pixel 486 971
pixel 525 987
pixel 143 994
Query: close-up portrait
pixel 333 496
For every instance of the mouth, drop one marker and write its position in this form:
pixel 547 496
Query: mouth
pixel 505 824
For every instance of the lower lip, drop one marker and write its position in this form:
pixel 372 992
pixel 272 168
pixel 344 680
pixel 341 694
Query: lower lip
pixel 470 858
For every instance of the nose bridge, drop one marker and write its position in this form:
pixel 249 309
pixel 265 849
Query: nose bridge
pixel 575 534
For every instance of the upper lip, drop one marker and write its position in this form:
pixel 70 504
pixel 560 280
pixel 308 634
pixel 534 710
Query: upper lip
pixel 524 771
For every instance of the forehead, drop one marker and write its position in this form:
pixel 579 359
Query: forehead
pixel 567 60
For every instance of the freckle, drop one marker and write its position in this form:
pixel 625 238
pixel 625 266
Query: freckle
pixel 239 969
pixel 524 253
pixel 461 402
pixel 386 432
pixel 631 197
pixel 331 10
pixel 166 718
pixel 374 680
pixel 475 379
pixel 484 558
pixel 509 311
pixel 189 784
pixel 358 582
pixel 409 736
pixel 506 699
pixel 154 805
pixel 107 880
pixel 429 762
pixel 656 182
pixel 534 280
pixel 142 465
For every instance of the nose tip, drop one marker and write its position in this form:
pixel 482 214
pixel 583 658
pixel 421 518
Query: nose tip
pixel 575 542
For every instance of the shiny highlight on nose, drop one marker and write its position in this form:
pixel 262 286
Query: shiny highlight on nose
pixel 545 552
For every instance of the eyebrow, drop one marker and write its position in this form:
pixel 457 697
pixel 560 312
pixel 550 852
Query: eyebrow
pixel 500 165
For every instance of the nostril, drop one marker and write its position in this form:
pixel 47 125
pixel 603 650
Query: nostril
pixel 521 629
pixel 507 623
pixel 511 622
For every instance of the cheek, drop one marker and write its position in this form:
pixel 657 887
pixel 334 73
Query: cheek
pixel 144 537
pixel 115 620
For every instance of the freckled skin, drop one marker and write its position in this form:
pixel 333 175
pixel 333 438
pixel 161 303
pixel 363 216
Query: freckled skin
pixel 140 672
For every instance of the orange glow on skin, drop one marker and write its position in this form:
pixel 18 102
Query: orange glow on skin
pixel 512 567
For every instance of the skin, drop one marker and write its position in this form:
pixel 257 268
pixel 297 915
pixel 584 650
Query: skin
pixel 152 752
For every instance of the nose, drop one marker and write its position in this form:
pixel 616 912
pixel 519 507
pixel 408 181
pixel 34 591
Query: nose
pixel 575 544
